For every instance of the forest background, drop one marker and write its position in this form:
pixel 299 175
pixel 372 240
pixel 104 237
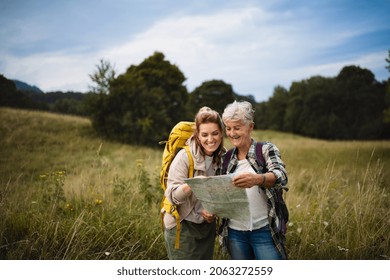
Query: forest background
pixel 141 105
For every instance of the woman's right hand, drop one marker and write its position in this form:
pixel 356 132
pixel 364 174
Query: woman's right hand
pixel 208 217
pixel 245 180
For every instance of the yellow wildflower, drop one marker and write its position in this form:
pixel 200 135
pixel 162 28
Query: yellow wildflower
pixel 98 201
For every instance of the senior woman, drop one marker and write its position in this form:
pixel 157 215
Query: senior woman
pixel 258 237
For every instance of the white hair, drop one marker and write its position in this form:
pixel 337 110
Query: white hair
pixel 239 111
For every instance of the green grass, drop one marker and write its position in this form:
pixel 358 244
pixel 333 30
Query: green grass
pixel 65 193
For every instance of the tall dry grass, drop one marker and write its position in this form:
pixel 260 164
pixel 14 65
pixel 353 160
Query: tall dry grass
pixel 338 197
pixel 67 194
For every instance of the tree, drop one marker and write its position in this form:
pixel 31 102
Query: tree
pixel 11 97
pixel 348 106
pixel 276 108
pixel 386 112
pixel 292 117
pixel 69 106
pixel 143 104
pixel 215 94
pixel 102 77
pixel 360 102
pixel 261 115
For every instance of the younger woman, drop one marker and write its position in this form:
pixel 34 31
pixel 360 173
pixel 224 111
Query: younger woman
pixel 197 232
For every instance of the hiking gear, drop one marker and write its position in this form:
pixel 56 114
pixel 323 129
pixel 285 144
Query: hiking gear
pixel 178 136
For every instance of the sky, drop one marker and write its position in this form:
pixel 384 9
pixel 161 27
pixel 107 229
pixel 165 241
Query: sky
pixel 252 45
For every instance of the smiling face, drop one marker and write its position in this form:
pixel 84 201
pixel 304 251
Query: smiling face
pixel 210 137
pixel 239 133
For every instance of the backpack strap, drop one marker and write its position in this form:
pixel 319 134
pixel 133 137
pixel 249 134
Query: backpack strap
pixel 191 161
pixel 259 156
pixel 226 160
pixel 173 210
pixel 280 205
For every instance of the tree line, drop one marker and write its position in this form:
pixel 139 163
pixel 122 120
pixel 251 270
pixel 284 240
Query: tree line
pixel 141 105
pixel 352 105
pixel 27 97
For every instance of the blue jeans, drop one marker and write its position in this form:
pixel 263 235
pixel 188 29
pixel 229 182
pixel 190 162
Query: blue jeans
pixel 252 245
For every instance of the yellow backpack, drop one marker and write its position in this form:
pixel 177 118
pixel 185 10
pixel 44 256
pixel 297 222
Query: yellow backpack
pixel 176 141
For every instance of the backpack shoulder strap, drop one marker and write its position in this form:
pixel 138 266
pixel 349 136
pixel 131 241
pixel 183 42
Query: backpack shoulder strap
pixel 226 160
pixel 191 161
pixel 172 209
pixel 259 155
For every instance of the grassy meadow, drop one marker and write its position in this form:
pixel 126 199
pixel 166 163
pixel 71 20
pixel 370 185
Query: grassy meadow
pixel 65 193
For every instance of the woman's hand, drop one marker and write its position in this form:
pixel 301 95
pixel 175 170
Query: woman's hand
pixel 208 217
pixel 246 180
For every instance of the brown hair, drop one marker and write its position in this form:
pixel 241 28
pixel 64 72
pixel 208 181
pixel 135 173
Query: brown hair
pixel 207 115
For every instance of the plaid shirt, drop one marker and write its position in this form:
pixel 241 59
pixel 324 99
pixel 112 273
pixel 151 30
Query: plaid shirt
pixel 275 165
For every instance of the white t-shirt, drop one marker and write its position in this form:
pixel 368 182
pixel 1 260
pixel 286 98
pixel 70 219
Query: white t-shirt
pixel 209 168
pixel 257 203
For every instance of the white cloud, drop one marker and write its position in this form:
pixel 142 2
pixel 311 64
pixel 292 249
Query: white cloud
pixel 249 48
pixel 231 45
pixel 52 71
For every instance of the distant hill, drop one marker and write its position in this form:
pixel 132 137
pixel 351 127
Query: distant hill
pixel 22 86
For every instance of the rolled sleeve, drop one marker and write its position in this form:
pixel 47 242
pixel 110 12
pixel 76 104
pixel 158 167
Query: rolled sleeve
pixel 275 165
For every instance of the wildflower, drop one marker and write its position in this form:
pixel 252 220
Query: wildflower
pixel 298 206
pixel 342 249
pixel 98 201
pixel 43 176
pixel 325 223
pixel 61 172
pixel 299 230
pixel 140 163
pixel 290 224
pixel 107 253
